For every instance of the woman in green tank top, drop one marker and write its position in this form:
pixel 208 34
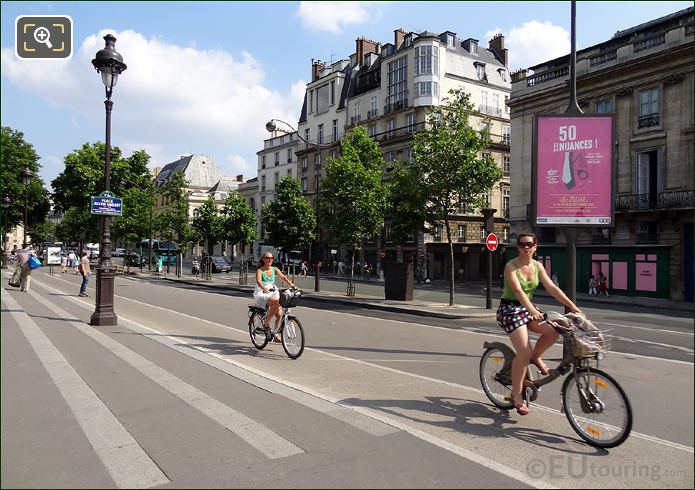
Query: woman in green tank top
pixel 517 314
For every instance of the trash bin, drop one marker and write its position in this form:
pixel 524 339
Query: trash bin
pixel 398 281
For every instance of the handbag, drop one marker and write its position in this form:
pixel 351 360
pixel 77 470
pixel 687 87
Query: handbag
pixel 34 262
pixel 14 280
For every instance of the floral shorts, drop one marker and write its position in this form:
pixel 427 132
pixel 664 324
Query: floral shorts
pixel 512 315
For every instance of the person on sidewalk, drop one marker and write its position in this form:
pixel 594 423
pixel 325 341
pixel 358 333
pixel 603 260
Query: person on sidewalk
pixel 86 272
pixel 25 271
pixel 603 285
pixel 592 286
pixel 517 314
pixel 63 264
pixel 265 293
pixel 195 268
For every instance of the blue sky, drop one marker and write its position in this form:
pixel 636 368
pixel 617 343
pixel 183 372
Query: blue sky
pixel 204 77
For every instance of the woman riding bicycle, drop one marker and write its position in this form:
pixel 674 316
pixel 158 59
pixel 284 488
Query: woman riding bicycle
pixel 266 294
pixel 517 314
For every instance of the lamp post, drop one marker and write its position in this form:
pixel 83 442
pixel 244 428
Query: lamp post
pixel 109 63
pixel 5 206
pixel 271 127
pixel 26 174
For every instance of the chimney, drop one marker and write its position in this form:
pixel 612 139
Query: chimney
pixel 316 69
pixel 497 46
pixel 240 178
pixel 519 75
pixel 363 47
pixel 398 37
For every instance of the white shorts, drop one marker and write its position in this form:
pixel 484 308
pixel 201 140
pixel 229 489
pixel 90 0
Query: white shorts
pixel 262 298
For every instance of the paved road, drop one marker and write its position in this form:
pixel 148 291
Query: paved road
pixel 372 402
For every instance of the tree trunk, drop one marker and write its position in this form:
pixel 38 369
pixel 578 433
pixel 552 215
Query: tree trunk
pixel 451 262
pixel 352 273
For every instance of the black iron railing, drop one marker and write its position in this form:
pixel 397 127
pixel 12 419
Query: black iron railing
pixel 648 121
pixel 661 200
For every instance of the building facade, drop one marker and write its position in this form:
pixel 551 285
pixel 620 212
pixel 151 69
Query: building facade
pixel 643 76
pixel 388 89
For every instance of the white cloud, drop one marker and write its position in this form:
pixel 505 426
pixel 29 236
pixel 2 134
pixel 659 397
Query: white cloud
pixel 333 16
pixel 534 42
pixel 169 101
pixel 236 165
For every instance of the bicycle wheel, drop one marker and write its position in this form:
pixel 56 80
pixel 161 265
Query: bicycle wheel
pixel 293 338
pixel 258 335
pixel 498 392
pixel 597 407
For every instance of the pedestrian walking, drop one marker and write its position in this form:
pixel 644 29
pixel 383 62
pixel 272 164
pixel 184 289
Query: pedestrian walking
pixel 23 257
pixel 305 269
pixel 63 264
pixel 341 267
pixel 603 285
pixel 195 268
pixel 592 286
pixel 71 259
pixel 86 272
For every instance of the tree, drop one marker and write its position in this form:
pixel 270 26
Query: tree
pixel 173 222
pixel 450 173
pixel 289 219
pixel 353 197
pixel 15 155
pixel 45 231
pixel 239 221
pixel 133 224
pixel 209 224
pixel 77 225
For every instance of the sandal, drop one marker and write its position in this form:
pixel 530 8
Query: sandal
pixel 277 338
pixel 542 368
pixel 521 409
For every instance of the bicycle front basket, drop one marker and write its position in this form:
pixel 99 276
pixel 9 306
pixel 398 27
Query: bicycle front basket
pixel 586 343
pixel 289 298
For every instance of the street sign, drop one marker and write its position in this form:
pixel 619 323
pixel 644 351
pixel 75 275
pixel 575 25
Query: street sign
pixel 491 242
pixel 105 204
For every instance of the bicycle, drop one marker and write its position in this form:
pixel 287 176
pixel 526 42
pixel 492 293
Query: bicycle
pixel 589 397
pixel 290 328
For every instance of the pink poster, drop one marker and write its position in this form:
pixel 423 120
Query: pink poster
pixel 619 275
pixel 645 276
pixel 574 171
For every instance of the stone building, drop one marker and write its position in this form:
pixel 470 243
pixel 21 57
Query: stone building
pixel 388 90
pixel 643 76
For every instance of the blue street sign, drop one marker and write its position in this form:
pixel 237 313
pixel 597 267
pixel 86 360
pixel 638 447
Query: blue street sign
pixel 105 204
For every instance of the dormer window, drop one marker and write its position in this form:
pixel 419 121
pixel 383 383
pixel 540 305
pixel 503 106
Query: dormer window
pixel 503 74
pixel 474 46
pixel 480 70
pixel 408 40
pixel 450 40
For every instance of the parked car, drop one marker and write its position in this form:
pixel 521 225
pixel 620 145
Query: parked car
pixel 220 264
pixel 133 259
pixel 118 252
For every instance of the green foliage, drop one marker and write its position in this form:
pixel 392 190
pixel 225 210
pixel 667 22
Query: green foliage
pixel 134 223
pixel 239 222
pixel 353 197
pixel 289 219
pixel 406 201
pixel 78 225
pixel 44 231
pixel 209 224
pixel 16 154
pixel 450 174
pixel 173 222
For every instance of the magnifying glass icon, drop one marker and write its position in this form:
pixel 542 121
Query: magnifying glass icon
pixel 43 36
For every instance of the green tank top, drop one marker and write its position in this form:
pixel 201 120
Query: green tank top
pixel 529 287
pixel 268 277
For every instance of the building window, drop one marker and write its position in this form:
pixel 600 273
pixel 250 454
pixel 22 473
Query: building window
pixel 506 160
pixel 410 122
pixel 649 108
pixel 307 134
pixel 506 107
pixel 304 163
pixel 474 46
pixel 484 101
pixel 263 161
pixel 462 233
pixel 335 130
pixel 503 74
pixel 304 184
pixel 496 103
pixel 505 201
pixel 647 175
pixel 316 182
pixel 427 60
pixel 333 92
pixel 277 180
pixel 322 99
pixel 604 107
pixel 390 127
pixel 450 40
pixel 289 172
pixel 277 158
pixel 397 80
pixel 408 40
pixel 480 69
pixel 371 131
pixel 428 88
pixel 311 101
pixel 317 160
pixel 648 232
pixel 263 182
pixel 333 154
pixel 320 134
pixel 506 134
pixel 355 112
pixel 289 155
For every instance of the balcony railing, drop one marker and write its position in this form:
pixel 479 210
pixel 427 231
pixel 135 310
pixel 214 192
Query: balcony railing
pixel 398 105
pixel 662 200
pixel 604 57
pixel 650 42
pixel 546 76
pixel 327 140
pixel 398 132
pixel 372 113
pixel 490 110
pixel 648 121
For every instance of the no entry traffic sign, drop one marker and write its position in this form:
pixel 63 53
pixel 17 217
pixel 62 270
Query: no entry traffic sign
pixel 491 242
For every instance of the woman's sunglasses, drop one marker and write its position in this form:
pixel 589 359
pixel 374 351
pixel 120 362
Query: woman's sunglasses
pixel 271 258
pixel 526 244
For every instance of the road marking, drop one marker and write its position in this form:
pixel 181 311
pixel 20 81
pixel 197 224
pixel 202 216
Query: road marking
pixel 646 328
pixel 127 463
pixel 257 435
pixel 638 435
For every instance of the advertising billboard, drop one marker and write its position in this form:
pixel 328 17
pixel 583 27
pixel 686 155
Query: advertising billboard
pixel 573 171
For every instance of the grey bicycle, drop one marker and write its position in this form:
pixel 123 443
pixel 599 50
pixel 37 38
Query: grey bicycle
pixel 595 405
pixel 290 328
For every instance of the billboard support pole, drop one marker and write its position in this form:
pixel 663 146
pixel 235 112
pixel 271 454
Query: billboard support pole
pixel 573 109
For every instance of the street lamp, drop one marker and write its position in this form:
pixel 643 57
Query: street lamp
pixel 109 63
pixel 271 127
pixel 26 174
pixel 5 205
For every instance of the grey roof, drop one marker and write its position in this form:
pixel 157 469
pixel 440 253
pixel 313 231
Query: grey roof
pixel 199 170
pixel 225 185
